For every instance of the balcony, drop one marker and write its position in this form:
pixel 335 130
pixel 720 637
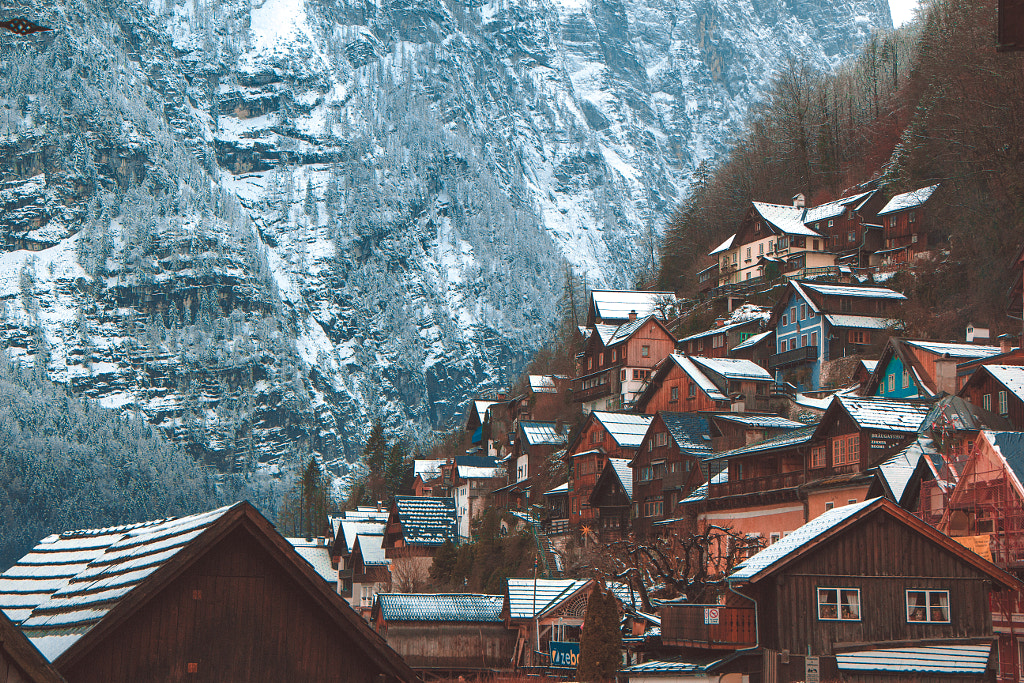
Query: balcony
pixel 582 395
pixel 794 357
pixel 708 626
pixel 739 487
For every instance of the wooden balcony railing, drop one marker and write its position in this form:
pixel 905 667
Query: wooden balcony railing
pixel 799 355
pixel 708 626
pixel 582 395
pixel 757 484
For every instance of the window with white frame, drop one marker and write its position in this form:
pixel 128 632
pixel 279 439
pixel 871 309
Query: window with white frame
pixel 986 401
pixel 1004 408
pixel 839 604
pixel 925 606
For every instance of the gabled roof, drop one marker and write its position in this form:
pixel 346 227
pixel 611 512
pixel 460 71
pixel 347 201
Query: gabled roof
pixel 529 598
pixel 610 335
pixel 724 246
pixel 425 520
pixel 616 304
pixel 366 513
pixel 836 207
pixel 626 428
pixel 752 340
pixel 1010 376
pixel 559 490
pixel 733 368
pixel 689 431
pixel 787 219
pixel 706 384
pixel 908 200
pixel 461 607
pixel 27 664
pixel 542 433
pixel 1010 447
pixel 371 550
pixel 719 330
pixel 863 322
pixel 544 384
pixel 427 469
pixel 891 414
pixel 620 467
pixel 818 530
pixel 350 528
pixel 957 414
pixel 766 421
pixel 954 350
pixel 790 439
pixel 897 473
pixel 471 472
pixel 851 290
pixel 317 555
pixel 75 589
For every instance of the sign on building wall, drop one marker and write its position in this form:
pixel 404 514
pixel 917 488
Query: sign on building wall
pixel 812 670
pixel 711 615
pixel 565 654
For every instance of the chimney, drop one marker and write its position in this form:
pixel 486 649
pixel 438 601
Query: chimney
pixel 1005 343
pixel 719 322
pixel 632 316
pixel 945 374
pixel 799 201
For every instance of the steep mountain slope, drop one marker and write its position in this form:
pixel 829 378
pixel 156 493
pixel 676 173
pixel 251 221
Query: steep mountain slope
pixel 264 223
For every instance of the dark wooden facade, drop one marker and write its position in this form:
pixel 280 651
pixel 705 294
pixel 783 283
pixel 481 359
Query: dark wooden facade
pixel 612 502
pixel 983 383
pixel 585 460
pixel 20 661
pixel 673 390
pixel 715 343
pixel 238 608
pixel 662 473
pixel 450 645
pixel 605 370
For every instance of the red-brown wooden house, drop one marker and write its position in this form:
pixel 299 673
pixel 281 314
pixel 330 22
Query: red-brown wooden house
pixel 218 596
pixel 906 227
pixel 999 389
pixel 687 384
pixel 20 661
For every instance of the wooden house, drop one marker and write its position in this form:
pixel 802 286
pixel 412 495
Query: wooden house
pixel 616 306
pixel 535 443
pixel 850 226
pixel 719 340
pixel 985 511
pixel 603 435
pixel 906 228
pixel 612 497
pixel 862 373
pixel 415 529
pixel 616 362
pixel 818 323
pixel 757 348
pixel 460 633
pixel 686 384
pixel 370 571
pixel 667 466
pixel 835 591
pixel 487 426
pixel 20 661
pixel 707 279
pixel 218 596
pixel 910 367
pixel 345 531
pixel 735 430
pixel 999 389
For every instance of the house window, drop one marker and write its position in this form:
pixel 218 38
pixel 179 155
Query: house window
pixel 735 258
pixel 816 246
pixel 748 253
pixel 615 355
pixel 675 394
pixel 831 222
pixel 913 238
pixel 661 438
pixel 814 338
pixel 818 456
pixel 986 401
pixel 645 351
pixel 846 304
pixel 891 381
pixel 646 474
pixel 748 275
pixel 851 236
pixel 622 375
pixel 928 606
pixel 845 449
pixel 600 359
pixel 857 336
pixel 803 340
pixel 839 604
pixel 912 217
pixel 792 314
pixel 784 321
pixel 771 246
pixel 590 363
pixel 654 507
pixel 906 379
pixel 691 390
pixel 596 436
pixel 803 311
pixel 773 537
pixel 829 505
pixel 1003 407
pixel 760 249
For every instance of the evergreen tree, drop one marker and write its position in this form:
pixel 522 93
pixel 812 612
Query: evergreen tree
pixel 601 639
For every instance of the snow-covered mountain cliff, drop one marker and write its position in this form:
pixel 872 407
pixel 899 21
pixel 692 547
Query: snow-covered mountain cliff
pixel 265 223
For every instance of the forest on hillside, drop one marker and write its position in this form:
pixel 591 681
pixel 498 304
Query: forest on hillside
pixel 931 103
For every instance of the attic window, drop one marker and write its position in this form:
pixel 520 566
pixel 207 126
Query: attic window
pixel 645 351
pixel 757 226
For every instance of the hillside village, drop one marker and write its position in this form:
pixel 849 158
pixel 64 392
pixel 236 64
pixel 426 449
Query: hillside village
pixel 796 493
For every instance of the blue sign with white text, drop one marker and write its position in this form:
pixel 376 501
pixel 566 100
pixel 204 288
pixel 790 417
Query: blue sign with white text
pixel 565 654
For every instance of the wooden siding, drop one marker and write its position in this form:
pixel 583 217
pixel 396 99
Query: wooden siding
pixel 661 397
pixel 456 645
pixel 983 383
pixel 862 557
pixel 236 616
pixel 671 486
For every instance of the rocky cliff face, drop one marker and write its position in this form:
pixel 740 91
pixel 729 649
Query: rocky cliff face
pixel 265 223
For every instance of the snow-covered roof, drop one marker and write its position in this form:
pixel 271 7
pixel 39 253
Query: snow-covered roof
pixel 528 598
pixel 65 585
pixel 670 666
pixel 716 330
pixel 724 246
pixel 558 490
pixel 699 378
pixel 621 468
pixel 465 607
pixel 869 365
pixel 897 471
pixel 733 368
pixel 931 659
pixel 788 219
pixel 426 520
pixel 908 200
pixel 954 350
pixel 701 492
pixel 867 322
pixel 542 433
pixel 350 528
pixel 689 431
pixel 366 513
pixel 470 472
pixel 371 548
pixel 892 414
pixel 543 384
pixel 1010 376
pixel 787 440
pixel 833 208
pixel 317 555
pixel 795 541
pixel 615 334
pixel 760 421
pixel 427 468
pixel 752 340
pixel 626 428
pixel 850 290
pixel 616 304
